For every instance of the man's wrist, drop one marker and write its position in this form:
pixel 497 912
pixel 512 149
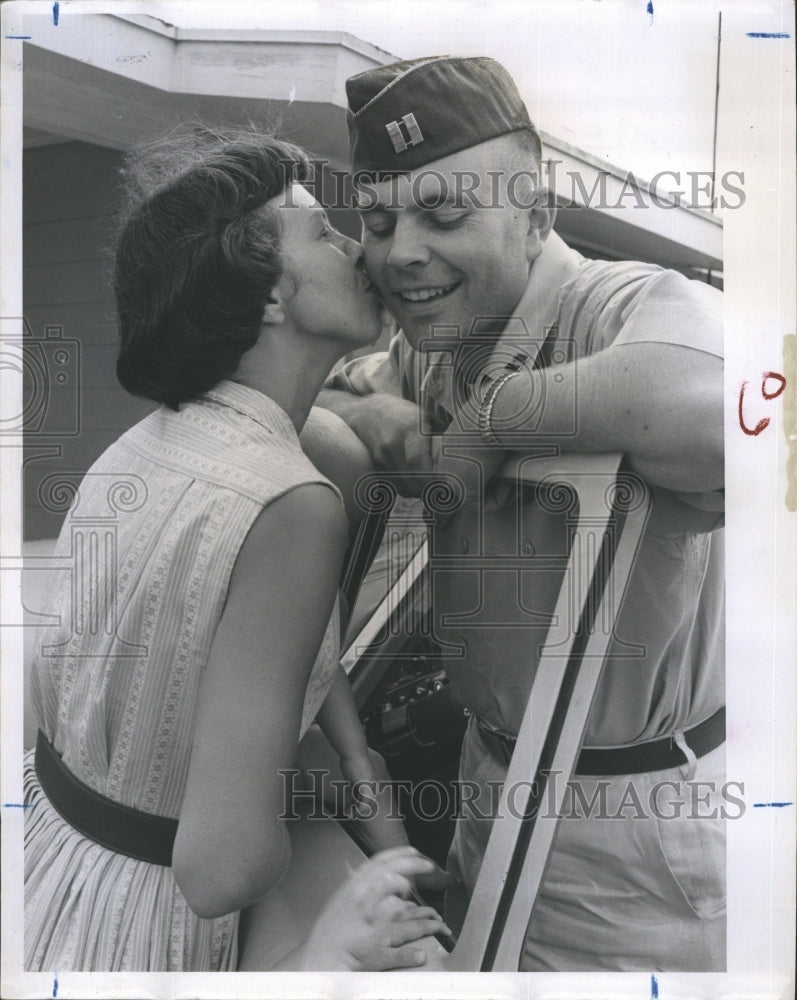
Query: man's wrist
pixel 486 409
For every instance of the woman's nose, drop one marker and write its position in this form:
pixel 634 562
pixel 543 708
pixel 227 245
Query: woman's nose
pixel 350 247
pixel 354 251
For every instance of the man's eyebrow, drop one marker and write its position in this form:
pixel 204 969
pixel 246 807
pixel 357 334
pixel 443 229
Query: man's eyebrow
pixel 365 204
pixel 457 201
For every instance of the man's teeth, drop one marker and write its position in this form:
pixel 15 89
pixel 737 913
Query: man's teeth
pixel 422 294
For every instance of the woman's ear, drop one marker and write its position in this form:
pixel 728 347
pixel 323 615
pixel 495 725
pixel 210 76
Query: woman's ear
pixel 541 215
pixel 273 314
pixel 280 296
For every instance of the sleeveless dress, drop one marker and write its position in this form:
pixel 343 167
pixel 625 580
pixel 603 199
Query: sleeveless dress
pixel 149 544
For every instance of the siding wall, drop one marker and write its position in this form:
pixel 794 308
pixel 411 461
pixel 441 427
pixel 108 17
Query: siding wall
pixel 70 201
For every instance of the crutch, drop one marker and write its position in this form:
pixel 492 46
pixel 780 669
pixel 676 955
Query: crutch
pixel 612 512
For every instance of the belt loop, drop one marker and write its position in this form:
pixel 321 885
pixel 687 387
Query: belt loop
pixel 688 752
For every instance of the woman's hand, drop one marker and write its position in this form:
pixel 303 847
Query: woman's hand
pixel 370 924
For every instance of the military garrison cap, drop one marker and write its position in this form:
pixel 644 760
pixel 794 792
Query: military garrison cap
pixel 409 113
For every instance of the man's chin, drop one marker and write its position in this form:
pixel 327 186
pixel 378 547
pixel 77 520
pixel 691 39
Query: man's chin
pixel 423 336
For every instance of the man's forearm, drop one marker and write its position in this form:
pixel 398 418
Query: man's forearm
pixel 659 404
pixel 349 407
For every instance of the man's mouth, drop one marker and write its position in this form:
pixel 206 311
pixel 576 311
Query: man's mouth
pixel 425 294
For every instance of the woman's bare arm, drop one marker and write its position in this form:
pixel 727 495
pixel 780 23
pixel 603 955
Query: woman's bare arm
pixel 231 846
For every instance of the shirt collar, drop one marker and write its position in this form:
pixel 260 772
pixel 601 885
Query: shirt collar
pixel 254 404
pixel 535 314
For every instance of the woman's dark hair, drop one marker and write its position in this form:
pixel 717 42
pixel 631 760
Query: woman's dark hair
pixel 196 262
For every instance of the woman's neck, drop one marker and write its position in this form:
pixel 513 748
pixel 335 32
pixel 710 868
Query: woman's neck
pixel 289 370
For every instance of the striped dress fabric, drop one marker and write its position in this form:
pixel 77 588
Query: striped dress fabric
pixel 146 553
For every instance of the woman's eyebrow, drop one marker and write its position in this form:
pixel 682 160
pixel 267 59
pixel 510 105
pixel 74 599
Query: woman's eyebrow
pixel 319 215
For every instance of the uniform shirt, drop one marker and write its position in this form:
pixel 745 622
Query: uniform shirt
pixel 665 667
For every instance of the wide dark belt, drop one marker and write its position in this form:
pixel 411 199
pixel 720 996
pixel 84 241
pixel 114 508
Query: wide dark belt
pixel 116 826
pixel 655 755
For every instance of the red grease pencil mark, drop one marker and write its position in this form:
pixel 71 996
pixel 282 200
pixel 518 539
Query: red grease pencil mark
pixel 764 422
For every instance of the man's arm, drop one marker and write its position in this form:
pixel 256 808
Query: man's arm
pixel 661 404
pixel 337 452
pixel 387 425
pixel 371 395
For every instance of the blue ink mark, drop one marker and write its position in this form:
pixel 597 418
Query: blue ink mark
pixel 771 805
pixel 55 985
pixel 18 805
pixel 22 37
pixel 654 983
pixel 768 34
pixel 649 9
pixel 56 8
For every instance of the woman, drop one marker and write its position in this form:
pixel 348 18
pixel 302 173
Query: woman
pixel 193 658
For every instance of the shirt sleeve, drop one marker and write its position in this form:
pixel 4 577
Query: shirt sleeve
pixel 672 309
pixel 625 303
pixel 384 371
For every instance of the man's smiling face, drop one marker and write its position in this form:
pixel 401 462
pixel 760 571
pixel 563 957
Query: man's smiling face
pixel 450 262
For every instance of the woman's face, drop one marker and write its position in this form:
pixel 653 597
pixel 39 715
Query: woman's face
pixel 324 289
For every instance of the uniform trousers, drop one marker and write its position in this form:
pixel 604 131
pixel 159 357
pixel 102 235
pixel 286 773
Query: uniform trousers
pixel 636 878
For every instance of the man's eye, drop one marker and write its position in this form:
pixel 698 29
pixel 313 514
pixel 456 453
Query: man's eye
pixel 447 221
pixel 378 226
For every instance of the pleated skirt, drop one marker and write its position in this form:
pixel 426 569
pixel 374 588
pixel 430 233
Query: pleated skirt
pixel 90 909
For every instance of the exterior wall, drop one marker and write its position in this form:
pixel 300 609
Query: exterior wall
pixel 69 207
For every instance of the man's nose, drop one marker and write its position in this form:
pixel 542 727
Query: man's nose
pixel 407 247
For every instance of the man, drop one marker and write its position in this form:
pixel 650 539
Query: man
pixel 580 356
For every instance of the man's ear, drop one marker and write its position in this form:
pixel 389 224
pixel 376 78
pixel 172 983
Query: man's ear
pixel 541 216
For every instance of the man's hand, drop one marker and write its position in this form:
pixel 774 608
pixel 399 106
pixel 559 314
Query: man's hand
pixel 390 428
pixel 394 437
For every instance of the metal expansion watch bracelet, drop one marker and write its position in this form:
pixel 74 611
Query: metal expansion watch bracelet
pixel 484 419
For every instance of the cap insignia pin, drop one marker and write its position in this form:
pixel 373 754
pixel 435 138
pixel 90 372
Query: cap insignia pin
pixel 411 136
